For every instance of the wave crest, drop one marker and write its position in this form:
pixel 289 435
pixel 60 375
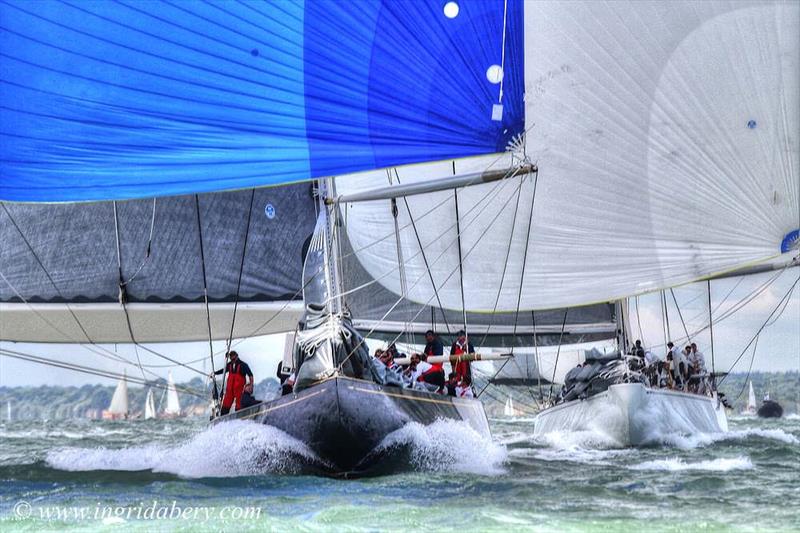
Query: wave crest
pixel 229 449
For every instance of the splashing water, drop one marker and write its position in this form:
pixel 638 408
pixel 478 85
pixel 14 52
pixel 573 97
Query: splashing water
pixel 230 449
pixel 445 446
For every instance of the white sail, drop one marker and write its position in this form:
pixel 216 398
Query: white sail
pixel 149 406
pixel 751 399
pixel 119 402
pixel 173 404
pixel 666 142
pixel 8 410
pixel 508 409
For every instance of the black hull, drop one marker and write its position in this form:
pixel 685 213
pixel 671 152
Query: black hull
pixel 343 420
pixel 770 409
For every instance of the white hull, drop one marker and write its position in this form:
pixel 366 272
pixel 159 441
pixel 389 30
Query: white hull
pixel 630 414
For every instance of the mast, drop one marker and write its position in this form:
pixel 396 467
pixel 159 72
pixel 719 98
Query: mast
pixel 622 330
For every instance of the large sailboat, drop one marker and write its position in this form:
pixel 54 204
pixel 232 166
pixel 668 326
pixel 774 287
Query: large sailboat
pixel 517 170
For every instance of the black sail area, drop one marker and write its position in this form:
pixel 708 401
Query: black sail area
pixel 68 254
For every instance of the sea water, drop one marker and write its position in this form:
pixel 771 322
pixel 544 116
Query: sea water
pixel 165 475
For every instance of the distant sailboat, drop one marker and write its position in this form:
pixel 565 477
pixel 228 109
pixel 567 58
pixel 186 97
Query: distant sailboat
pixel 508 410
pixel 8 411
pixel 149 406
pixel 173 408
pixel 750 410
pixel 118 408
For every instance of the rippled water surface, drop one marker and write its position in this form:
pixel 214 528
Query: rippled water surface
pixel 137 473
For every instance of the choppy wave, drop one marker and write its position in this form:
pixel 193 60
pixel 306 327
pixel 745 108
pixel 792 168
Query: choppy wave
pixel 699 440
pixel 676 464
pixel 445 446
pixel 230 449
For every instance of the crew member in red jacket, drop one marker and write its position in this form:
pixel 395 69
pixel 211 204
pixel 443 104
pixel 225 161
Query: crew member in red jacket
pixel 238 371
pixel 461 347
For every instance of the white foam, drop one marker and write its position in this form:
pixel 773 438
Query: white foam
pixel 577 446
pixel 675 464
pixel 448 446
pixel 792 416
pixel 230 449
pixel 687 442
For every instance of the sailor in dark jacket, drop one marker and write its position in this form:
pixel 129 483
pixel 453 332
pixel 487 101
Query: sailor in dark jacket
pixel 248 400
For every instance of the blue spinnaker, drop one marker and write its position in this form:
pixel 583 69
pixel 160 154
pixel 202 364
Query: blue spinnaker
pixel 113 100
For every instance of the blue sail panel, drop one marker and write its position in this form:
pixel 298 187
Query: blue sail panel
pixel 115 100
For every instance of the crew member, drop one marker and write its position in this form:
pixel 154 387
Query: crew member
pixel 238 373
pixel 462 347
pixel 248 400
pixel 434 348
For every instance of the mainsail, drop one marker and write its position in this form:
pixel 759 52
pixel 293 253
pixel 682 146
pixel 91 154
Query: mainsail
pixel 149 406
pixel 173 407
pixel 119 402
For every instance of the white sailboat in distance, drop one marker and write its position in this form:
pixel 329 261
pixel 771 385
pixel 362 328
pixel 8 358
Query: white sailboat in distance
pixel 173 408
pixel 750 410
pixel 118 408
pixel 149 406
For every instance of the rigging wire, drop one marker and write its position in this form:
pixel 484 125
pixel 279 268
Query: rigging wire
pixel 510 173
pixel 763 326
pixel 680 315
pixel 750 368
pixel 236 300
pixel 711 326
pixel 460 264
pixel 68 307
pixel 425 260
pixel 558 353
pixel 148 249
pixel 503 275
pixel 205 297
pixel 743 302
pixel 123 293
pixel 397 302
pixel 88 370
pixel 241 266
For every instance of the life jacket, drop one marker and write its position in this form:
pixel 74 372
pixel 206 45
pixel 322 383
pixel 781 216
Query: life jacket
pixel 461 368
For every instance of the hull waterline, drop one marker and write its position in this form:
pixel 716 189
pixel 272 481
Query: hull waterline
pixel 631 414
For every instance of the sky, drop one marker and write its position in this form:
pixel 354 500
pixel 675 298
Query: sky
pixel 778 347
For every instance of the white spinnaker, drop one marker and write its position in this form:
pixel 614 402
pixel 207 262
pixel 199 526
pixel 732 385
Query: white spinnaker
pixel 173 404
pixel 119 402
pixel 667 146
